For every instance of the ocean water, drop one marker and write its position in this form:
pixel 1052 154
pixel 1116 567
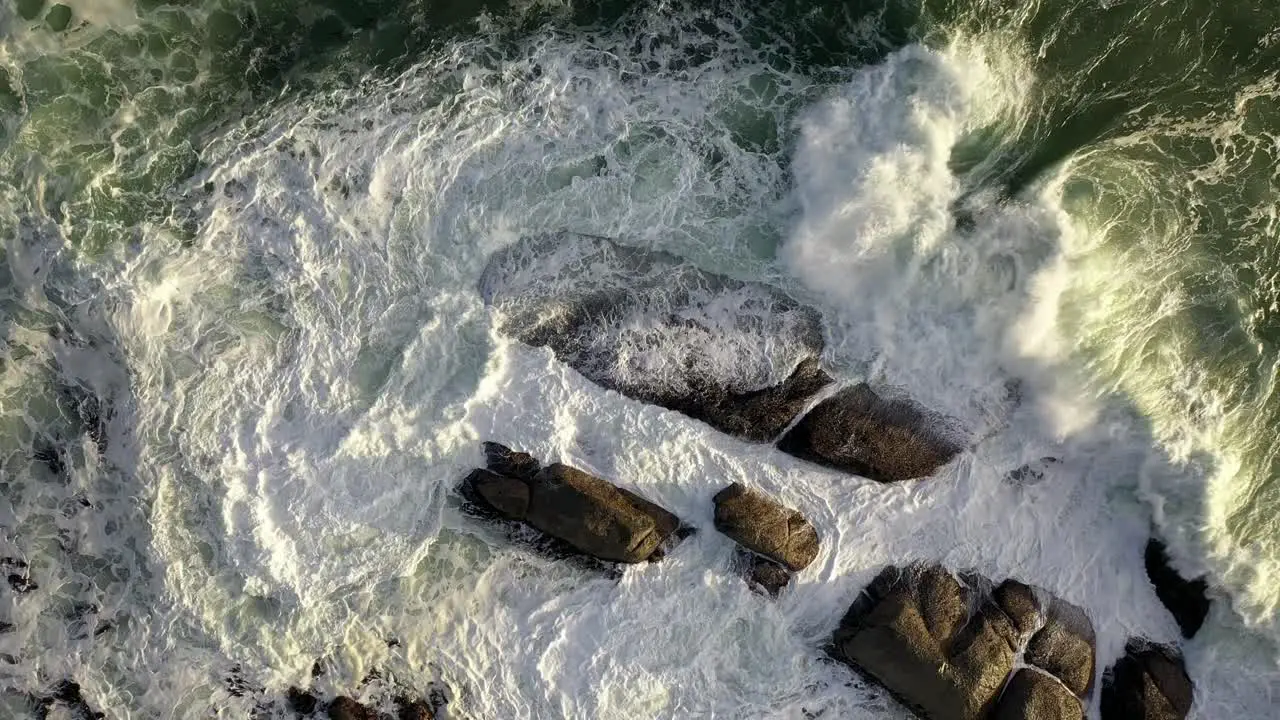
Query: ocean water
pixel 246 357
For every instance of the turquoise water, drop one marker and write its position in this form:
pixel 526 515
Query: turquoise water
pixel 243 358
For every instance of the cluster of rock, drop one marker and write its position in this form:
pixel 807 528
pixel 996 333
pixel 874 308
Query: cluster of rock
pixel 961 648
pixel 303 704
pixel 742 357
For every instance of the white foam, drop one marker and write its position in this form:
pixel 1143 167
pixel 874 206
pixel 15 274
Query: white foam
pixel 316 372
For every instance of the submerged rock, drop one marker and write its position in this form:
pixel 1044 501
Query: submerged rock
pixel 65 701
pixel 739 356
pixel 761 524
pixel 505 461
pixel 1148 683
pixel 945 645
pixel 589 514
pixel 857 431
pixel 1185 599
pixel 763 574
pixel 344 708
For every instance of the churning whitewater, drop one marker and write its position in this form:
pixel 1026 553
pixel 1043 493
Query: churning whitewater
pixel 290 396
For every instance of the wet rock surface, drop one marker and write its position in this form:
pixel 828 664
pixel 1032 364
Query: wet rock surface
pixel 1149 682
pixel 586 513
pixel 945 645
pixel 1032 695
pixel 857 431
pixel 765 526
pixel 739 356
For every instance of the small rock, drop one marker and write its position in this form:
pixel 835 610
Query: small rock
pixel 764 574
pixel 1148 683
pixel 505 461
pixel 759 523
pixel 344 708
pixel 21 584
pixel 1185 599
pixel 414 710
pixel 301 701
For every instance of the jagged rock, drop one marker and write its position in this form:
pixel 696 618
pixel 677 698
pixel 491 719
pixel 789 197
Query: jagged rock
pixel 1064 646
pixel 764 574
pixel 765 526
pixel 506 496
pixel 945 645
pixel 65 702
pixel 930 641
pixel 301 701
pixel 1033 695
pixel 857 431
pixel 414 710
pixel 344 708
pixel 1184 598
pixel 739 356
pixel 589 514
pixel 1148 683
pixel 505 461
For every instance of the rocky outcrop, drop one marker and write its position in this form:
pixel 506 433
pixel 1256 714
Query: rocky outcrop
pixel 304 704
pixel 65 701
pixel 1185 599
pixel 945 646
pixel 588 514
pixel 765 526
pixel 859 432
pixel 739 356
pixel 762 574
pixel 1148 683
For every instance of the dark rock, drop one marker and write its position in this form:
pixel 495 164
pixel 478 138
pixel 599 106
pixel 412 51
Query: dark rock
pixel 1148 683
pixel 301 701
pixel 1033 695
pixel 67 697
pixel 936 645
pixel 1064 646
pixel 594 516
pixel 761 524
pixel 857 431
pixel 505 461
pixel 6 627
pixel 740 356
pixel 764 574
pixel 1032 472
pixel 21 584
pixel 414 709
pixel 506 496
pixel 1185 599
pixel 344 708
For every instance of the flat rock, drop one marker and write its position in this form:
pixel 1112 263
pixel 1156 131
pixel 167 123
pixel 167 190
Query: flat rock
pixel 344 708
pixel 859 432
pixel 1032 695
pixel 763 525
pixel 1185 599
pixel 739 356
pixel 1149 682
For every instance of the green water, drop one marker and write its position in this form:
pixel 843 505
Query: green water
pixel 1155 126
